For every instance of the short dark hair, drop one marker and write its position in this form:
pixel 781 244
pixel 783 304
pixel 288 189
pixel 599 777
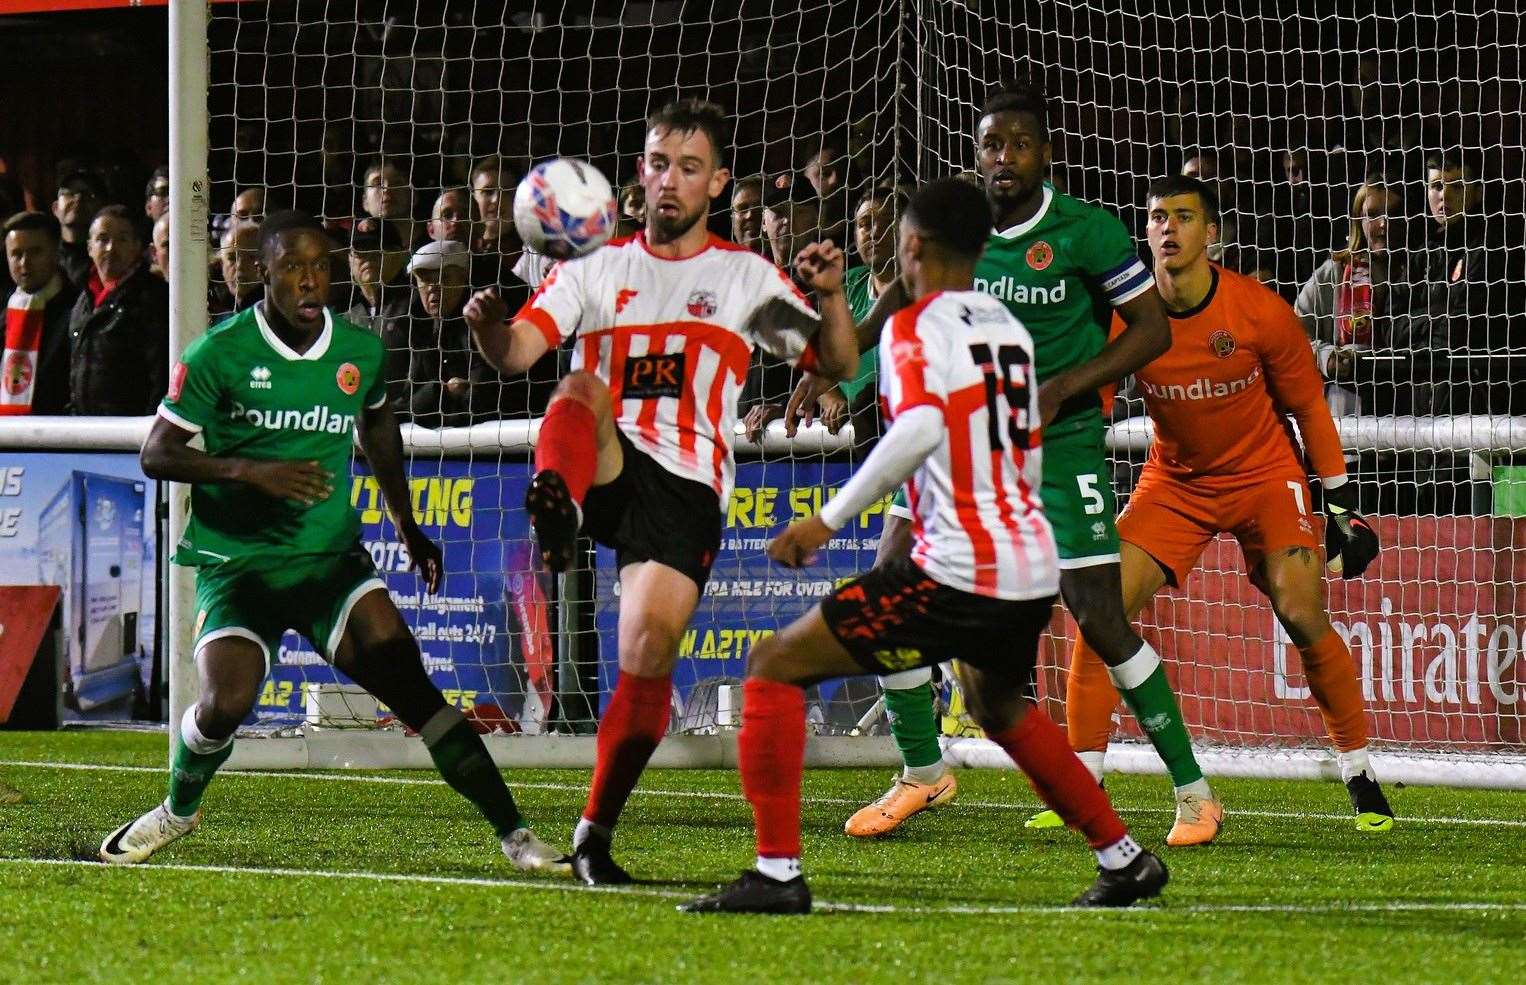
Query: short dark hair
pixel 1020 96
pixel 398 164
pixel 287 221
pixel 749 181
pixel 34 221
pixel 89 179
pixel 1454 159
pixel 689 115
pixel 161 173
pixel 1183 184
pixel 126 215
pixel 953 214
pixel 884 191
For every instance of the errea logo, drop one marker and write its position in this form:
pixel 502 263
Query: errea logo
pixel 259 378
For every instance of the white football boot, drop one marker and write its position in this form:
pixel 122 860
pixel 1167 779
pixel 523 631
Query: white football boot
pixel 528 853
pixel 136 840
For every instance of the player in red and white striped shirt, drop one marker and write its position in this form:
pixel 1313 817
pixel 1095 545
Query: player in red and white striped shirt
pixel 956 375
pixel 635 448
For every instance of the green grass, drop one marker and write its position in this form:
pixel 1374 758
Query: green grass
pixel 969 893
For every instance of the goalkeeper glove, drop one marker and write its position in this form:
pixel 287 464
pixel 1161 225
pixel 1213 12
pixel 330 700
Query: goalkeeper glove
pixel 1350 542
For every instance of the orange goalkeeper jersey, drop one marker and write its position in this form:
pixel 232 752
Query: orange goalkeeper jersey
pixel 1239 365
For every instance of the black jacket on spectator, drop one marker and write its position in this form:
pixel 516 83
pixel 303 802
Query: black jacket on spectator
pixel 50 390
pixel 222 305
pixel 119 359
pixel 388 318
pixel 1462 337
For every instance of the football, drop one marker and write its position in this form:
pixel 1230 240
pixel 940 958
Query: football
pixel 564 208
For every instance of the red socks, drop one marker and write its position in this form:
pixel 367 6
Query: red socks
pixel 771 754
pixel 567 445
pixel 1039 749
pixel 633 724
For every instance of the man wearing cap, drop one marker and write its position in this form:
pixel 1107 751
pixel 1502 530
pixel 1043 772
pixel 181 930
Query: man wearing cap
pixel 438 388
pixel 78 200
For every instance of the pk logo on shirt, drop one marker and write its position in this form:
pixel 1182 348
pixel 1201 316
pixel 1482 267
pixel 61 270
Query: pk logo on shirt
pixel 651 377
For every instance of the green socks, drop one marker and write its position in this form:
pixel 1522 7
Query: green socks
pixel 464 763
pixel 914 724
pixel 1141 680
pixel 193 764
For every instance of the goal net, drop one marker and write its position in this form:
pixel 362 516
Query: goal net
pixel 366 112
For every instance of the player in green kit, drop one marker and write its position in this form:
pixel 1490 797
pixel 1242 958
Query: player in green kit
pixel 278 393
pixel 1063 267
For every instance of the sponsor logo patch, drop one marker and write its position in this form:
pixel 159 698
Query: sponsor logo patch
pixel 623 298
pixel 653 377
pixel 259 378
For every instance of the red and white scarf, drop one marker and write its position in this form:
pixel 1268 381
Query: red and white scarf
pixel 1353 304
pixel 25 316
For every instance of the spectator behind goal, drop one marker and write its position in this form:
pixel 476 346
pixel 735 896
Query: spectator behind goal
pixel 34 371
pixel 119 327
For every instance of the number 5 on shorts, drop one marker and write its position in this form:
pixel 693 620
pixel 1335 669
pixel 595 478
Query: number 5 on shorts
pixel 1090 496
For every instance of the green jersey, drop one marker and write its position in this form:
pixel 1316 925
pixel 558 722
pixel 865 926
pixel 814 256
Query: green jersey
pixel 249 395
pixel 858 286
pixel 1061 273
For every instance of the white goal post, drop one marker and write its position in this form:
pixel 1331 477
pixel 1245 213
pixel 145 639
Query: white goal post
pixel 1438 627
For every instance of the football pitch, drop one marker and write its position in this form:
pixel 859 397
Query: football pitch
pixel 389 877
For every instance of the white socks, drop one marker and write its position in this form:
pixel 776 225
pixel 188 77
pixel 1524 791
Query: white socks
pixel 1135 670
pixel 1197 788
pixel 587 829
pixel 1092 760
pixel 190 734
pixel 1354 763
pixel 925 774
pixel 1119 854
pixel 779 869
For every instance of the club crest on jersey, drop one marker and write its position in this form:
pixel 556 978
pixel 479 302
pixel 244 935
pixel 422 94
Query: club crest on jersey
pixel 348 378
pixel 702 304
pixel 259 378
pixel 1040 255
pixel 1222 344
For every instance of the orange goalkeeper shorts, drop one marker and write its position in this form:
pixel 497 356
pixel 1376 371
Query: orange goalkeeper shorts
pixel 1173 521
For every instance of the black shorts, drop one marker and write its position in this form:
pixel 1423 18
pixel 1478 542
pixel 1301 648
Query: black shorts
pixel 896 618
pixel 649 514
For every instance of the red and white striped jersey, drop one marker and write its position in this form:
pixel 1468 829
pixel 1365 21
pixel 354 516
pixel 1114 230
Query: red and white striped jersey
pixel 670 339
pixel 976 515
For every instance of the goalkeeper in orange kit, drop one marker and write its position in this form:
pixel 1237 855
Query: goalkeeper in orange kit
pixel 1224 458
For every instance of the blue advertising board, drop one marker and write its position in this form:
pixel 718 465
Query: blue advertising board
pixel 749 597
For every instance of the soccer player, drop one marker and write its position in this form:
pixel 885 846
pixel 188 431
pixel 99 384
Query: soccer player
pixel 635 448
pixel 1225 459
pixel 278 393
pixel 1061 266
pixel 956 374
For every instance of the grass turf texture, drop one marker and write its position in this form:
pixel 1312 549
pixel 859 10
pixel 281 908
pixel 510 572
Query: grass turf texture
pixel 401 881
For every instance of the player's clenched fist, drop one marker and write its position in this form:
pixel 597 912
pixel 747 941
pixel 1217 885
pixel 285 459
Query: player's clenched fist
pixel 820 265
pixel 797 545
pixel 305 482
pixel 485 310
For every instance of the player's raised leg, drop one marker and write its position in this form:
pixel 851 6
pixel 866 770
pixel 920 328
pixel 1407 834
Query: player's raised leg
pixel 1293 579
pixel 925 781
pixel 231 664
pixel 378 652
pixel 578 448
pixel 656 603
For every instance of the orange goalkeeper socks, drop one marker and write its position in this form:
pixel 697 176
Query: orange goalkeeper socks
pixel 1331 672
pixel 1090 698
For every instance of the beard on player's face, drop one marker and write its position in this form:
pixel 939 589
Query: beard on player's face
pixel 667 225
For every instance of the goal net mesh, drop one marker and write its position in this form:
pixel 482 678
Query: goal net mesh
pixel 365 112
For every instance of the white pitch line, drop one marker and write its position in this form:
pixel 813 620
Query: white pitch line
pixel 1015 805
pixel 1205 909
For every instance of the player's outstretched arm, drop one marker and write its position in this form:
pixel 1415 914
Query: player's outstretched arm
pixel 1145 337
pixel 913 436
pixel 511 348
pixel 383 446
pixel 168 457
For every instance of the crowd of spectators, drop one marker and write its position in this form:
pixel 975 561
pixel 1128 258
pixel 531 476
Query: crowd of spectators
pixel 1411 287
